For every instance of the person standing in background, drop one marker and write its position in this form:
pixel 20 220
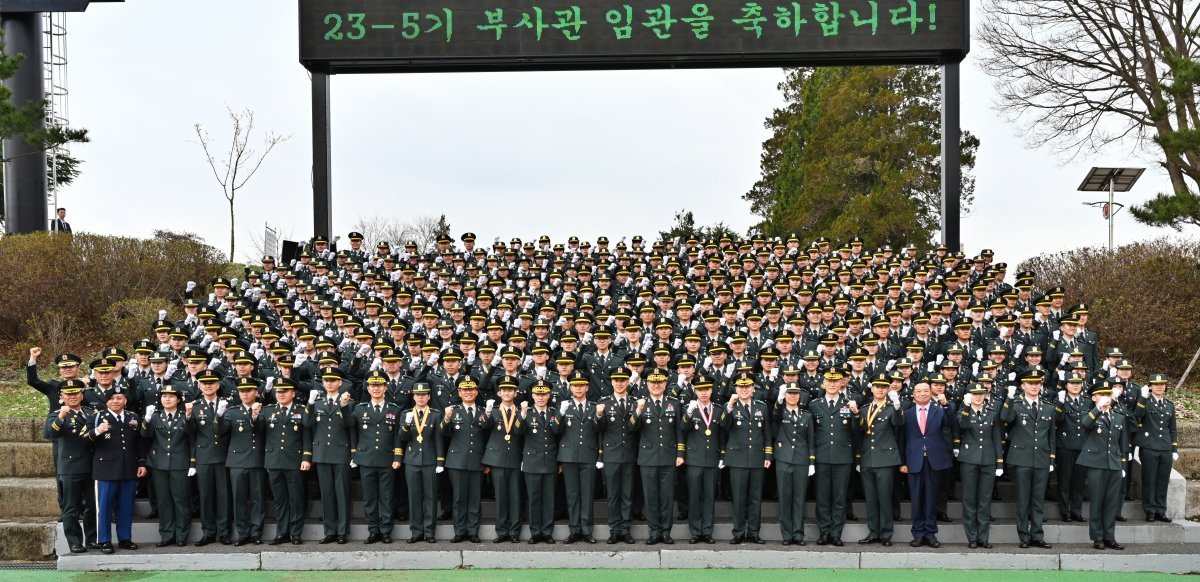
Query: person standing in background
pixel 59 222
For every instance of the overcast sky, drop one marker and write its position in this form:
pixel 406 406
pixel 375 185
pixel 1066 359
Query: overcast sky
pixel 501 154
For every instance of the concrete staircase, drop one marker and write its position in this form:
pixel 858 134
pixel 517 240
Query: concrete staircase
pixel 28 492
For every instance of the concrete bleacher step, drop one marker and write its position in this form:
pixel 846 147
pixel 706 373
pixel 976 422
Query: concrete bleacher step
pixel 22 430
pixel 27 539
pixel 26 460
pixel 22 497
pixel 1002 532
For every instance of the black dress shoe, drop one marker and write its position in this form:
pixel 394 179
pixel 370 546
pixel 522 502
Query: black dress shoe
pixel 1024 545
pixel 916 543
pixel 1097 545
pixel 183 544
pixel 754 539
pixel 341 539
pixel 869 540
pixel 458 539
pixel 652 541
pixel 328 540
pixel 415 539
pixel 589 539
pixel 514 540
pixel 1121 518
pixel 93 546
pixel 800 542
pixel 256 540
pixel 736 541
pixel 851 516
pixel 204 541
pixel 445 515
pixel 822 541
pixel 240 542
pixel 667 540
pixel 164 543
pixel 943 517
pixel 1163 518
pixel 500 539
pixel 548 539
pixel 1040 544
pixel 106 548
pixel 476 540
pixel 1150 517
pixel 285 539
pixel 225 541
pixel 77 549
pixel 1113 545
pixel 785 542
pixel 933 542
pixel 534 540
pixel 887 542
pixel 1078 518
pixel 972 545
pixel 709 540
pixel 614 538
pixel 571 538
pixel 836 542
pixel 385 538
pixel 431 540
pixel 628 538
pixel 127 545
pixel 897 518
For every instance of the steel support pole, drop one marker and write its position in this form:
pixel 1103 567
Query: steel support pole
pixel 25 173
pixel 951 158
pixel 321 176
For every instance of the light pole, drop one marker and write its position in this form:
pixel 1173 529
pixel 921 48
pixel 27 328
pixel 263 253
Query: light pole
pixel 1113 180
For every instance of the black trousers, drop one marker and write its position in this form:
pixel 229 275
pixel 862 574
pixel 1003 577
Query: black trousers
pixel 287 487
pixel 792 481
pixel 334 480
pixel 466 487
pixel 1104 500
pixel 212 483
pixel 978 482
pixel 658 488
pixel 580 485
pixel 833 481
pixel 540 487
pixel 507 483
pixel 1156 476
pixel 702 484
pixel 877 485
pixel 618 486
pixel 249 501
pixel 747 484
pixel 422 499
pixel 377 488
pixel 174 504
pixel 78 502
pixel 1070 482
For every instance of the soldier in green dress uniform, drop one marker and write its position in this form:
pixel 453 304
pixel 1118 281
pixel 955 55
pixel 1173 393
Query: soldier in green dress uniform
pixel 879 458
pixel 502 459
pixel 68 429
pixel 748 454
pixel 376 452
pixel 618 454
pixel 1072 406
pixel 795 461
pixel 1031 453
pixel 1104 455
pixel 980 456
pixel 424 459
pixel 288 457
pixel 244 426
pixel 835 418
pixel 657 421
pixel 1157 441
pixel 171 464
pixel 465 428
pixel 578 453
pixel 702 454
pixel 539 460
pixel 332 412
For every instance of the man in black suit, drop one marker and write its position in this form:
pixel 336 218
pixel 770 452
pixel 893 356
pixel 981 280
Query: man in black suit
pixel 59 223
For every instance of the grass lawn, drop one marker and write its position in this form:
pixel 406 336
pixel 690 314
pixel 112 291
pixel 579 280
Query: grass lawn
pixel 598 576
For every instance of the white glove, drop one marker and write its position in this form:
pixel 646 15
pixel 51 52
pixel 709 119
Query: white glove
pixel 774 373
pixel 364 350
pixel 562 406
pixel 439 470
pixel 488 405
pixel 707 362
pixel 955 453
pixel 779 398
pixel 1122 473
pixel 312 397
pixel 1117 392
pixel 812 470
pixel 1104 401
pixel 353 465
pixel 433 359
pixel 213 363
pixel 328 333
pixel 191 286
pixel 376 364
pixel 678 342
pixel 691 407
pixel 720 464
pixel 1137 454
pixel 221 406
pixel 408 417
pixel 1062 395
pixel 895 398
pixel 1145 391
pixel 300 359
pixel 1012 391
pixel 149 412
pixel 270 384
pixel 599 464
pixel 999 472
pixel 858 468
pixel 471 358
pixel 192 472
pixel 1051 467
pixel 1174 457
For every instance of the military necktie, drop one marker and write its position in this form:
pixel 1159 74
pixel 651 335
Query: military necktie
pixel 378 409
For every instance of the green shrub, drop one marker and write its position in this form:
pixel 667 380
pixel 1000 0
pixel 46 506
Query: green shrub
pixel 92 282
pixel 1143 297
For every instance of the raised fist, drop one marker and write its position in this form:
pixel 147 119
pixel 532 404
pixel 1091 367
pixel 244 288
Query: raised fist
pixel 34 353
